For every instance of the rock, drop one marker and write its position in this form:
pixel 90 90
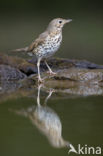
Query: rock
pixel 60 63
pixel 18 77
pixel 22 65
pixel 81 75
pixel 66 69
pixel 10 73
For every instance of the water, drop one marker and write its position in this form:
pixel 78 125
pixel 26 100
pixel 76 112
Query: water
pixel 23 120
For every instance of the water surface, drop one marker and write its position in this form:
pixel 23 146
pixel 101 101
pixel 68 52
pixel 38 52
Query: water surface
pixel 22 132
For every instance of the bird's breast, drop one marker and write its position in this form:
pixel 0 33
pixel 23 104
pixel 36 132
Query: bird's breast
pixel 54 41
pixel 50 46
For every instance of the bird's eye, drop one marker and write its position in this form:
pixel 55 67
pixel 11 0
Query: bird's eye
pixel 60 22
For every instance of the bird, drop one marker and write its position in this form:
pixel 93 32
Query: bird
pixel 47 43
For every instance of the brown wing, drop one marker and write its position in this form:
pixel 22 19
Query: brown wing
pixel 38 41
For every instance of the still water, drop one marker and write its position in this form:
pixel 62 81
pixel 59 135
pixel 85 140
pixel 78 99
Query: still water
pixel 39 122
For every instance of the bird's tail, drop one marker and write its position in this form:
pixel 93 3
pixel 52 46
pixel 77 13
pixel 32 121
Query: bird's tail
pixel 21 50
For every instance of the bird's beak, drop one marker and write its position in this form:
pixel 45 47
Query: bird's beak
pixel 68 20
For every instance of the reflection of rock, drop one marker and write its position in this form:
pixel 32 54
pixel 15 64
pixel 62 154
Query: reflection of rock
pixel 8 90
pixel 85 90
pixel 65 88
pixel 8 87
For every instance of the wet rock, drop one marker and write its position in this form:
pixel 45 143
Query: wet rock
pixel 81 75
pixel 66 69
pixel 18 77
pixel 61 63
pixel 11 60
pixel 54 63
pixel 19 63
pixel 10 73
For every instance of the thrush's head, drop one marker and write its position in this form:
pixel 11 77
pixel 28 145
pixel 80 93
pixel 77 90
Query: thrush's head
pixel 58 23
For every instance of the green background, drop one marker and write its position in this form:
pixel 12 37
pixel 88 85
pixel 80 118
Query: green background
pixel 22 21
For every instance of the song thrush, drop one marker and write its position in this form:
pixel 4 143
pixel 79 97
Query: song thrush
pixel 47 43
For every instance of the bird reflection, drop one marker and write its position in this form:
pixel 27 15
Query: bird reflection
pixel 47 121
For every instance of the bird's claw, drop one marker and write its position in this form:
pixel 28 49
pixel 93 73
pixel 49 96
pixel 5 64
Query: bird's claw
pixel 51 73
pixel 40 80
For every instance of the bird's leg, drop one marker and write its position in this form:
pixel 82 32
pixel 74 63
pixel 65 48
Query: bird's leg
pixel 50 71
pixel 38 66
pixel 50 94
pixel 38 97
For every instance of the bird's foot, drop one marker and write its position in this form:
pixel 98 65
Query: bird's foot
pixel 50 93
pixel 51 90
pixel 51 73
pixel 40 80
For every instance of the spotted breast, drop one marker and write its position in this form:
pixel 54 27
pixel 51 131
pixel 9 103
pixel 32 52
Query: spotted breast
pixel 49 47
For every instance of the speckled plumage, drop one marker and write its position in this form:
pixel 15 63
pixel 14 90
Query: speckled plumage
pixel 49 46
pixel 47 43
